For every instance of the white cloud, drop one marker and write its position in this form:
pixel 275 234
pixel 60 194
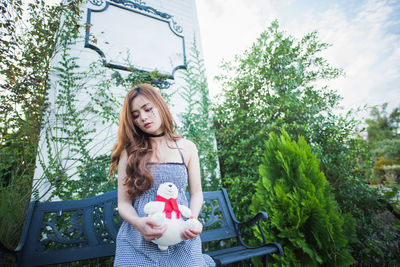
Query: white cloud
pixel 367 52
pixel 228 28
pixel 363 44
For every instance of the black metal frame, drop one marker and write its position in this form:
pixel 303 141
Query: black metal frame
pixel 142 10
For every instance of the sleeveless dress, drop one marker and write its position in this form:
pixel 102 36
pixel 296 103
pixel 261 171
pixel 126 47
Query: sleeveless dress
pixel 131 247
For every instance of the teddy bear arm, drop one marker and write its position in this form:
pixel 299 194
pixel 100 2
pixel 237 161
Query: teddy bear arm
pixel 153 207
pixel 185 211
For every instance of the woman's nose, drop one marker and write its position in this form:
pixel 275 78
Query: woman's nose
pixel 144 117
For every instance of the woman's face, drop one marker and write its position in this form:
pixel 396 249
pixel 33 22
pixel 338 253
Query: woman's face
pixel 145 115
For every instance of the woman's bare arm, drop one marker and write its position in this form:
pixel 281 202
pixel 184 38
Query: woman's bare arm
pixel 125 209
pixel 195 190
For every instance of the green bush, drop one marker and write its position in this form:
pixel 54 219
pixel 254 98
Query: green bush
pixel 304 215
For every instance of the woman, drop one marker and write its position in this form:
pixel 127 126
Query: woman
pixel 147 154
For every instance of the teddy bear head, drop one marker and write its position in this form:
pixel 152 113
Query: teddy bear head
pixel 167 190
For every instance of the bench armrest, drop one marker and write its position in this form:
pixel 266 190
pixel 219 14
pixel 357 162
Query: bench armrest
pixel 27 224
pixel 260 216
pixel 256 220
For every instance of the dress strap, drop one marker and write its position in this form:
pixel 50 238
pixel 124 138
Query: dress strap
pixel 180 152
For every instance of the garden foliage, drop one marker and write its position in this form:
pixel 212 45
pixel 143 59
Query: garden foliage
pixel 278 83
pixel 304 215
pixel 25 56
pixel 197 119
pixel 273 86
pixel 384 140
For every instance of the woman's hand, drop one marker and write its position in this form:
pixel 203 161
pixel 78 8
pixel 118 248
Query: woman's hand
pixel 149 229
pixel 192 233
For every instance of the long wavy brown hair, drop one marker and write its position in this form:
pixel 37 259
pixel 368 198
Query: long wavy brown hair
pixel 136 143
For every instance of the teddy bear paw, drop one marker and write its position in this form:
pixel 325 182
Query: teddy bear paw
pixel 192 224
pixel 162 247
pixel 159 218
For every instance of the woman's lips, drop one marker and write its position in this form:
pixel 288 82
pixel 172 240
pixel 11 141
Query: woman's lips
pixel 147 125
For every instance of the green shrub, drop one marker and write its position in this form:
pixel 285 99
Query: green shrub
pixel 304 216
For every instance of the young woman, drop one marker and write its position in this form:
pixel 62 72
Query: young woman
pixel 149 153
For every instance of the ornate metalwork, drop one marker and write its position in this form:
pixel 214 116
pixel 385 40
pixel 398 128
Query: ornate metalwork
pixel 129 3
pixel 176 27
pixel 102 234
pixel 96 2
pixel 163 84
pixel 139 5
pixel 68 230
pixel 210 213
pixel 117 221
pixel 106 224
pixel 144 10
pixel 147 9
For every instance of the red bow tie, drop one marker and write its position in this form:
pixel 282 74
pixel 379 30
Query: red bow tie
pixel 170 205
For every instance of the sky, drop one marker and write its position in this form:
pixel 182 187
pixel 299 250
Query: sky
pixel 364 34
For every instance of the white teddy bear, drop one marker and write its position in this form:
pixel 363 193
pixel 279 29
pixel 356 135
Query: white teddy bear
pixel 166 211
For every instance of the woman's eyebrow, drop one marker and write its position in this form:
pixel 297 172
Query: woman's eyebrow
pixel 142 106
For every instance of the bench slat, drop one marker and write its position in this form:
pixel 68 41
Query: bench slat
pixel 239 253
pixel 68 255
pixel 90 233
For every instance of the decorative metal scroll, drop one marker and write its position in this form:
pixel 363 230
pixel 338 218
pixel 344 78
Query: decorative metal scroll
pixel 211 216
pixel 96 2
pixel 139 8
pixel 151 11
pixel 62 230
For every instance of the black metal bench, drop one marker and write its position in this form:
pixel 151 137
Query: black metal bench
pixel 68 231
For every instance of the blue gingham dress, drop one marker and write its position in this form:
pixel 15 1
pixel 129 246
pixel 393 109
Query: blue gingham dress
pixel 131 247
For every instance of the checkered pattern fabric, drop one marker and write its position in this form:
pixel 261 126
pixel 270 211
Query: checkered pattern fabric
pixel 133 250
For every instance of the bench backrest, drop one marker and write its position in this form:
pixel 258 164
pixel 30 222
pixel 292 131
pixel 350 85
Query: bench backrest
pixel 65 231
pixel 217 217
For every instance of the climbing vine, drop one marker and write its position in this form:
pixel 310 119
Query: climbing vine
pixel 197 118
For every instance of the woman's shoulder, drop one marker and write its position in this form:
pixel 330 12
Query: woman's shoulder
pixel 187 144
pixel 188 148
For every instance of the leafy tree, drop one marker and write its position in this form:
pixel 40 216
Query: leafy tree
pixel 384 132
pixel 30 35
pixel 384 141
pixel 278 84
pixel 305 218
pixel 381 125
pixel 272 86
